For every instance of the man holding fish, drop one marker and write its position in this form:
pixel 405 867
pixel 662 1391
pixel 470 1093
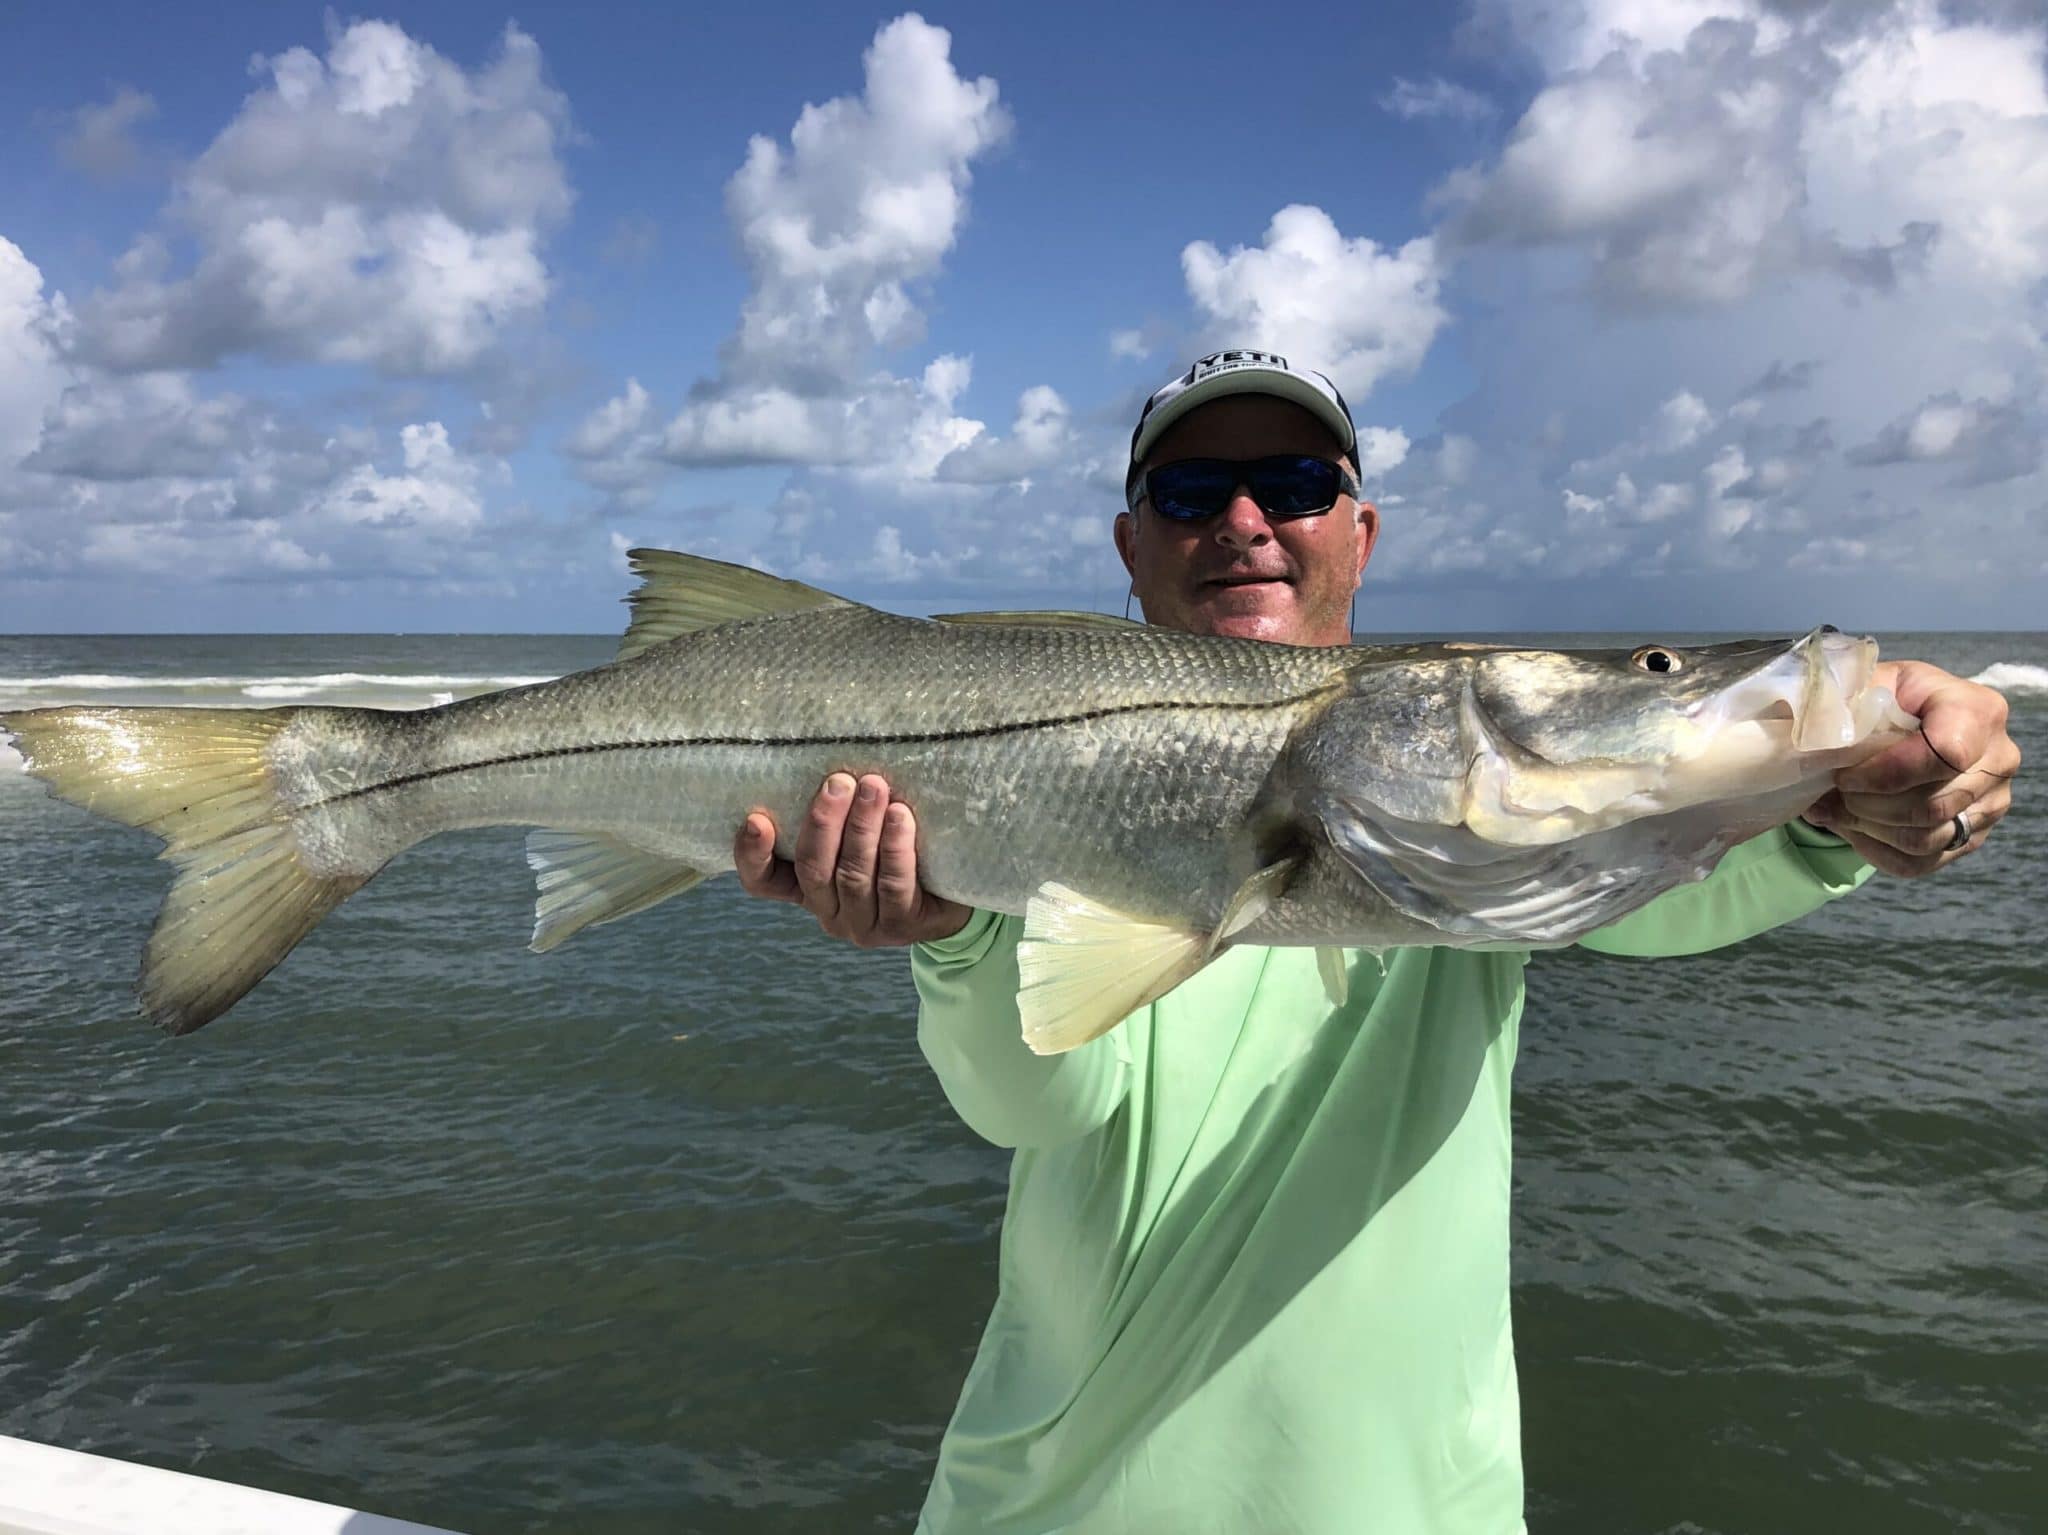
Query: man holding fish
pixel 1254 1270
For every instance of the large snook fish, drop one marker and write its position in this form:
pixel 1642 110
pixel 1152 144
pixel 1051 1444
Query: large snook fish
pixel 1144 797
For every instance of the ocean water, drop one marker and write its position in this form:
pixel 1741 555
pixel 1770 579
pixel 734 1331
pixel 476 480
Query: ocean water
pixel 672 1230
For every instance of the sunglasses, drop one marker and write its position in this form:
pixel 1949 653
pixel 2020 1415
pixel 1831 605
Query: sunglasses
pixel 1285 485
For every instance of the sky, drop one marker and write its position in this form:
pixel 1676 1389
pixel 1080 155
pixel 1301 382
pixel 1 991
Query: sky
pixel 1679 314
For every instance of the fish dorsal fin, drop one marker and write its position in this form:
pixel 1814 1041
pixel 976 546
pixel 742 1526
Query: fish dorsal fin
pixel 1082 968
pixel 587 879
pixel 1041 619
pixel 682 593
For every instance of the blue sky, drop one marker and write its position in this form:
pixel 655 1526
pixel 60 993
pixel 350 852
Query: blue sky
pixel 1694 313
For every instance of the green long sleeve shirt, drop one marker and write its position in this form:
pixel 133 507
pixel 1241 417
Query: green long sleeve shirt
pixel 1254 1269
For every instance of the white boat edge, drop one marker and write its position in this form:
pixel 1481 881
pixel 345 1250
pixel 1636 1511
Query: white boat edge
pixel 48 1491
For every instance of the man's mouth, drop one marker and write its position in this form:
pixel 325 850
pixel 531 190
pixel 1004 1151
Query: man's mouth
pixel 1247 578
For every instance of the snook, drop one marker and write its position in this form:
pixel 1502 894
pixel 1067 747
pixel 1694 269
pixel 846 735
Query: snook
pixel 1144 797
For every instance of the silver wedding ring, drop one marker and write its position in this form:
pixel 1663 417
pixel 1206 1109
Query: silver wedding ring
pixel 1963 833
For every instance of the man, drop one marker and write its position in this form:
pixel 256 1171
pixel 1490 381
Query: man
pixel 1254 1269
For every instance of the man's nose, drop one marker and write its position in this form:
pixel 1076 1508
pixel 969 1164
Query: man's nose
pixel 1242 524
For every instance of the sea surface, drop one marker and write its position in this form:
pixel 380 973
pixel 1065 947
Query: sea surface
pixel 672 1230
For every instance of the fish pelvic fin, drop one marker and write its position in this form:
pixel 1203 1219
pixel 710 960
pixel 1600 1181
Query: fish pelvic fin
pixel 201 779
pixel 585 879
pixel 1335 970
pixel 682 593
pixel 1082 967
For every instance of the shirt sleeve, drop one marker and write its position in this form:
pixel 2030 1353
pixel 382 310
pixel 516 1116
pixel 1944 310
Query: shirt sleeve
pixel 1761 884
pixel 968 1028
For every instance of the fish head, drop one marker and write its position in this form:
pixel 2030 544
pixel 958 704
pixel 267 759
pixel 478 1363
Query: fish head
pixel 1562 744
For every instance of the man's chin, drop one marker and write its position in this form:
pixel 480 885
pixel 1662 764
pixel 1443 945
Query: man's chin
pixel 1264 610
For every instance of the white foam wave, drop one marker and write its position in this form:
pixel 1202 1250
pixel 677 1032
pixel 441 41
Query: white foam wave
pixel 389 690
pixel 257 687
pixel 2014 677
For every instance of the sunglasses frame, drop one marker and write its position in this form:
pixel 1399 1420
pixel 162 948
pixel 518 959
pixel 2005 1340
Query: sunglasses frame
pixel 1347 485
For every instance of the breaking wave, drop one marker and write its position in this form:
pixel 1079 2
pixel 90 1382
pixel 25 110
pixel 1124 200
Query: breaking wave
pixel 383 690
pixel 72 684
pixel 2014 677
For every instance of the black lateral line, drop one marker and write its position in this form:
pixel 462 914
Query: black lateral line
pixel 919 738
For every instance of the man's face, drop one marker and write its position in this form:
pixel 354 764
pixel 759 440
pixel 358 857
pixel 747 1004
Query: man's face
pixel 1241 573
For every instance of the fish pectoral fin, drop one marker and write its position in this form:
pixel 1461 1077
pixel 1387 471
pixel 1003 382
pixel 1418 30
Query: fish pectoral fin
pixel 1041 619
pixel 1336 974
pixel 587 878
pixel 1253 898
pixel 1083 967
pixel 682 593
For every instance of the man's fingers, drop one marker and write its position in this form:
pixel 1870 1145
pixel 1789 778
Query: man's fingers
pixel 1906 765
pixel 897 896
pixel 817 845
pixel 859 848
pixel 753 857
pixel 1928 805
pixel 1962 726
pixel 1914 850
pixel 1907 865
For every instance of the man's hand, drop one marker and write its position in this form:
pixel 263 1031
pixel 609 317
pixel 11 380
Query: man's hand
pixel 1898 809
pixel 855 868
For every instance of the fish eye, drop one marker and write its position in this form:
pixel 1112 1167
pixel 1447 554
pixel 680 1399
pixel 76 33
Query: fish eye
pixel 1655 658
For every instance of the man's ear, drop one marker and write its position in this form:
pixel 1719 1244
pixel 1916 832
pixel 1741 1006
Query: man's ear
pixel 1126 534
pixel 1368 535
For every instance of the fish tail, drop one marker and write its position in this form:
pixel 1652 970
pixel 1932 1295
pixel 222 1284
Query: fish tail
pixel 203 780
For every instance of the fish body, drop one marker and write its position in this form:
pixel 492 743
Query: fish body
pixel 1145 797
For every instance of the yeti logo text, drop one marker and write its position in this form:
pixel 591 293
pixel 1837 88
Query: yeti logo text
pixel 1230 362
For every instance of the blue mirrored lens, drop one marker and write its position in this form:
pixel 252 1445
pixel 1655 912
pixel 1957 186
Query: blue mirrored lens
pixel 1284 486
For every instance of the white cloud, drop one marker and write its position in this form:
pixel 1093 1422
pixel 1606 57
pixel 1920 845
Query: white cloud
pixel 1435 97
pixel 31 374
pixel 98 139
pixel 1697 152
pixel 1680 420
pixel 383 207
pixel 1345 306
pixel 142 426
pixel 1381 450
pixel 839 229
pixel 1724 241
pixel 1990 440
pixel 867 200
pixel 434 492
pixel 1943 124
pixel 1129 343
pixel 1040 437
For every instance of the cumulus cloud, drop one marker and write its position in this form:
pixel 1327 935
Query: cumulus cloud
pixel 840 227
pixel 1356 311
pixel 1129 343
pixel 864 203
pixel 142 427
pixel 99 138
pixel 1724 240
pixel 433 490
pixel 380 206
pixel 1987 440
pixel 32 375
pixel 1697 151
pixel 1041 435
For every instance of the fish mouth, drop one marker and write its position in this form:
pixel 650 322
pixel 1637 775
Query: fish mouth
pixel 1817 699
pixel 1761 748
